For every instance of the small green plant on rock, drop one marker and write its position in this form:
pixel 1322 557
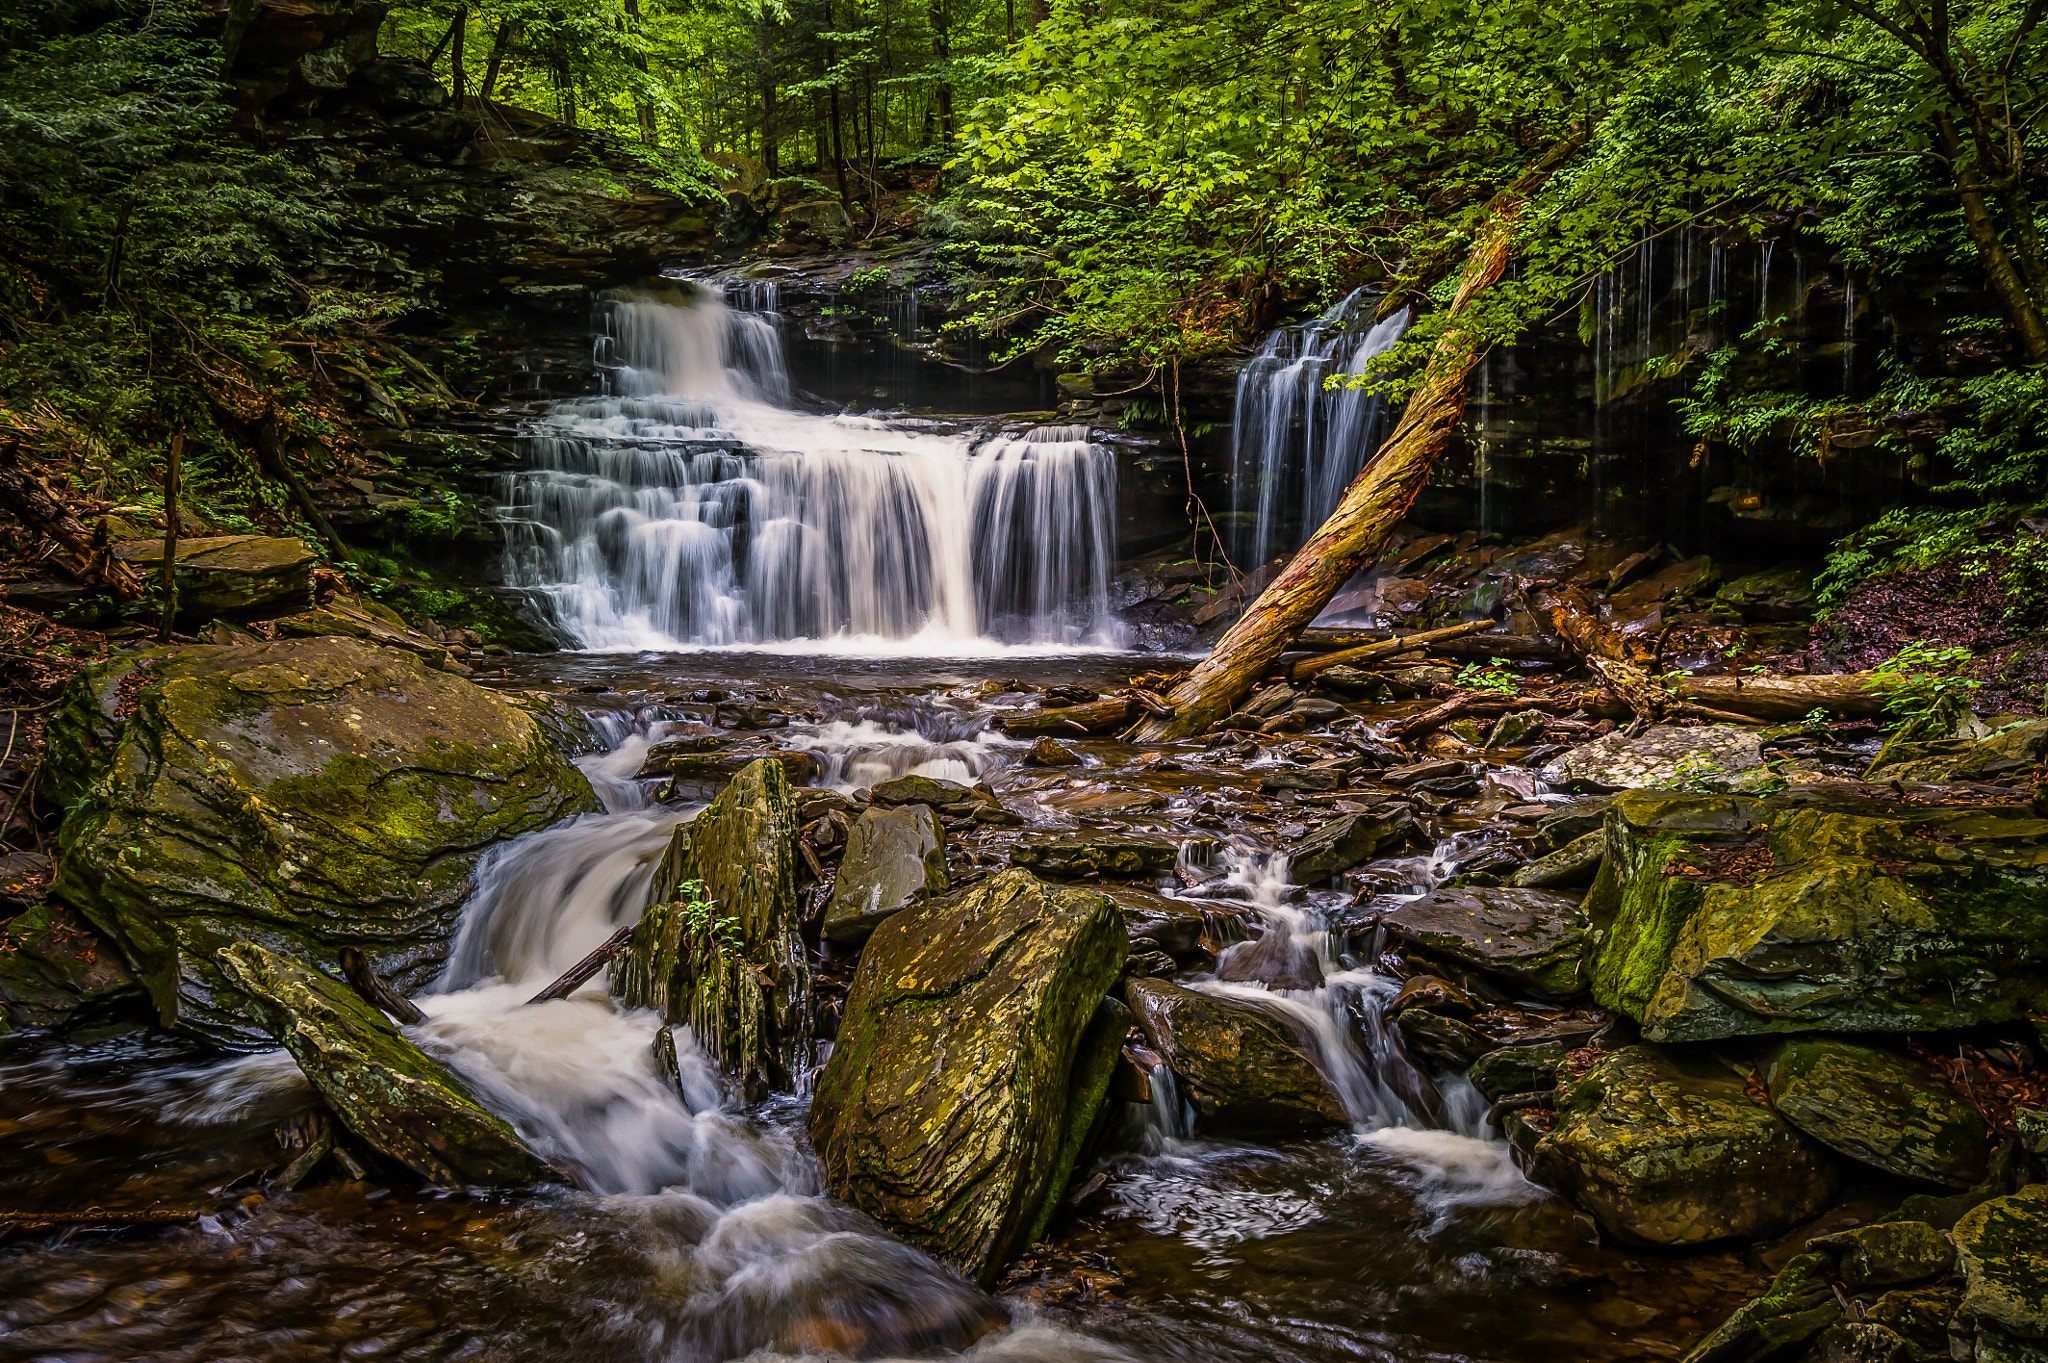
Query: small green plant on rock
pixel 1493 677
pixel 701 913
pixel 1923 686
pixel 1697 774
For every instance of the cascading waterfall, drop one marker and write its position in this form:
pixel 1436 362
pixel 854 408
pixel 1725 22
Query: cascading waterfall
pixel 694 506
pixel 1297 445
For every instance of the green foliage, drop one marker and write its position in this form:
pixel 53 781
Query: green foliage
pixel 1493 678
pixel 1922 686
pixel 703 917
pixel 1697 773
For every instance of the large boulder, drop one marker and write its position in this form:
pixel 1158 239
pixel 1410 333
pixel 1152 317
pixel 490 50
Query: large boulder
pixel 1888 1110
pixel 1242 1067
pixel 399 1100
pixel 960 1073
pixel 1533 939
pixel 237 577
pixel 894 858
pixel 305 795
pixel 2015 749
pixel 1666 1150
pixel 718 946
pixel 1826 908
pixel 1708 757
pixel 2002 1247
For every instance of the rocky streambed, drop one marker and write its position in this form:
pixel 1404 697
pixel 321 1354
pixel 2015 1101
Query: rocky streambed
pixel 953 1022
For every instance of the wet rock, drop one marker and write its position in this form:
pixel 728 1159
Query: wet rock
pixel 1518 1069
pixel 1239 1063
pixel 1859 1342
pixel 399 1100
pixel 2002 1247
pixel 894 858
pixel 1410 681
pixel 1443 1043
pixel 1427 991
pixel 1155 922
pixel 1278 960
pixel 1443 769
pixel 1109 802
pixel 1568 823
pixel 1353 684
pixel 1711 757
pixel 1516 730
pixel 56 971
pixel 310 793
pixel 1050 752
pixel 1345 842
pixel 1920 1315
pixel 1799 1304
pixel 1311 711
pixel 1890 1111
pixel 1534 939
pixel 1820 909
pixel 2005 754
pixel 927 790
pixel 690 763
pixel 1781 594
pixel 369 621
pixel 1105 853
pixel 237 577
pixel 947 1104
pixel 1671 1151
pixel 1887 1254
pixel 718 946
pixel 1320 779
pixel 1573 864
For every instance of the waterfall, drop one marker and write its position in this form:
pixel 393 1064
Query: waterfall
pixel 1296 445
pixel 693 505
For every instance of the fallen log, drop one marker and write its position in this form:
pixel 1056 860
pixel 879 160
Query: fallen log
pixel 371 988
pixel 1514 647
pixel 1605 651
pixel 1352 657
pixel 1093 717
pixel 1358 530
pixel 1778 699
pixel 573 978
pixel 1458 706
pixel 89 556
pixel 104 1216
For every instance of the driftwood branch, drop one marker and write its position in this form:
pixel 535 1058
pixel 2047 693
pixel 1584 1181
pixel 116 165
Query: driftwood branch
pixel 1093 717
pixel 104 1216
pixel 573 978
pixel 355 968
pixel 1389 648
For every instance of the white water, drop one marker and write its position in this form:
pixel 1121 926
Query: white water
pixel 1297 445
pixel 694 506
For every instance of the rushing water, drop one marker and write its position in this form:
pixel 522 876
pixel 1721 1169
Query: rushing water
pixel 695 505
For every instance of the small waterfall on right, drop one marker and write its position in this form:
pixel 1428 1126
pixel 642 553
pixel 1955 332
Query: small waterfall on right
pixel 1296 444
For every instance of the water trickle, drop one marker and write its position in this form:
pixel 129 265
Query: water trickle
pixel 1297 445
pixel 694 506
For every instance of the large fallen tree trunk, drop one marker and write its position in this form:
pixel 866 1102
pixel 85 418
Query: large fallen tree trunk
pixel 1776 699
pixel 88 556
pixel 1358 529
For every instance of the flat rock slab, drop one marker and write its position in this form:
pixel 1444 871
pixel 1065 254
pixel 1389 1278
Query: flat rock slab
pixel 1890 1111
pixel 389 1092
pixel 1240 1064
pixel 1671 1151
pixel 1342 843
pixel 894 858
pixel 306 795
pixel 949 1099
pixel 237 576
pixel 1708 757
pixel 1534 939
pixel 1078 854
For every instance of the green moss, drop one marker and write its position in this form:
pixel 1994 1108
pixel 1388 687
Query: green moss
pixel 1652 909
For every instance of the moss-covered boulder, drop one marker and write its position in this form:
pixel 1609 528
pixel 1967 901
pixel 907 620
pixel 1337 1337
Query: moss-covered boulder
pixel 237 577
pixel 1241 1066
pixel 2009 753
pixel 56 971
pixel 1823 909
pixel 1888 1110
pixel 894 857
pixel 1888 1253
pixel 306 795
pixel 399 1100
pixel 1666 1150
pixel 952 1091
pixel 1797 1306
pixel 1534 940
pixel 718 947
pixel 2002 1247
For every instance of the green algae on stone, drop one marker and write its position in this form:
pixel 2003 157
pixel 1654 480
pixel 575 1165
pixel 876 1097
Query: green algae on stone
pixel 1240 1065
pixel 399 1100
pixel 1087 1095
pixel 947 1103
pixel 1798 1305
pixel 1890 1111
pixel 1095 853
pixel 1849 913
pixel 1667 1150
pixel 1887 1253
pixel 57 971
pixel 742 987
pixel 305 794
pixel 2002 1247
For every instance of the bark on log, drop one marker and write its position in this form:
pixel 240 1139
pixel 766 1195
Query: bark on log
pixel 573 978
pixel 1094 717
pixel 1776 699
pixel 1358 530
pixel 1515 647
pixel 1352 657
pixel 371 988
pixel 1605 651
pixel 103 1216
pixel 90 558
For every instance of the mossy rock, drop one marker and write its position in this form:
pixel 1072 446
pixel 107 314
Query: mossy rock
pixel 57 972
pixel 1824 909
pixel 1666 1150
pixel 1105 853
pixel 2002 1247
pixel 1890 1111
pixel 305 795
pixel 396 1098
pixel 236 577
pixel 946 1108
pixel 1888 1253
pixel 1534 940
pixel 1518 1069
pixel 1799 1304
pixel 1241 1066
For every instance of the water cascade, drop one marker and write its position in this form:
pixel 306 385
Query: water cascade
pixel 694 505
pixel 1297 444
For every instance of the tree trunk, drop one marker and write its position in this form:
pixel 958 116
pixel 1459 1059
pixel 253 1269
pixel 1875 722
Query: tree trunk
pixel 172 471
pixel 648 133
pixel 1604 651
pixel 458 78
pixel 1357 531
pixel 941 52
pixel 508 35
pixel 1388 648
pixel 2000 270
pixel 1095 717
pixel 373 989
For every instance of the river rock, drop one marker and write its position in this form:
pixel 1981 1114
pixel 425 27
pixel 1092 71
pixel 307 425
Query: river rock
pixel 1100 853
pixel 1516 729
pixel 690 762
pixel 306 794
pixel 1239 1063
pixel 238 577
pixel 1570 822
pixel 1667 1150
pixel 1048 751
pixel 57 972
pixel 894 857
pixel 1838 911
pixel 2002 1247
pixel 1888 1110
pixel 718 946
pixel 1572 864
pixel 1669 756
pixel 1518 1069
pixel 946 1106
pixel 1343 843
pixel 1534 939
pixel 1443 1043
pixel 2012 750
pixel 386 1090
pixel 1888 1253
pixel 1798 1305
pixel 928 790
